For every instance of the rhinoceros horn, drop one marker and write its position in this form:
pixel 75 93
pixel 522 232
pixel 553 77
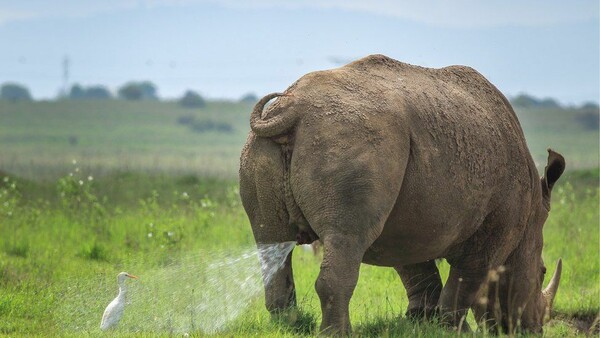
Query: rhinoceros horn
pixel 550 291
pixel 277 125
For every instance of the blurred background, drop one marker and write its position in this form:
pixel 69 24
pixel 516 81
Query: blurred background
pixel 165 85
pixel 122 123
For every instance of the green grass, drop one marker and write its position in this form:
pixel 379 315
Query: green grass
pixel 40 139
pixel 151 196
pixel 64 242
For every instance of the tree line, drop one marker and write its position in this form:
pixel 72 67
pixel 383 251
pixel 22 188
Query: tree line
pixel 133 91
pixel 146 90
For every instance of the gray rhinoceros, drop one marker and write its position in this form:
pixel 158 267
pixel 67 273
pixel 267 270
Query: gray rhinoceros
pixel 397 165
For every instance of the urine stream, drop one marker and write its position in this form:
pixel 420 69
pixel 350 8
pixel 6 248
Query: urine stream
pixel 201 292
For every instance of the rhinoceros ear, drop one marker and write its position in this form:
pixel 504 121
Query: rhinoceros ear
pixel 553 170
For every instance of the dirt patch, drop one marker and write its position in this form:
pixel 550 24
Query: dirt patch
pixel 584 322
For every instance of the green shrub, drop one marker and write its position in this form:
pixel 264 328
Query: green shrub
pixel 192 99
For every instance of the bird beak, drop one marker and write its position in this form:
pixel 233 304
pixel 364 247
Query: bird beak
pixel 132 276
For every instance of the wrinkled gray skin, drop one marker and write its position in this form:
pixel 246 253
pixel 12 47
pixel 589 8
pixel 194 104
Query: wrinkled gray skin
pixel 396 165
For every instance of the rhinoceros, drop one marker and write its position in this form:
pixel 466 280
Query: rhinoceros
pixel 397 165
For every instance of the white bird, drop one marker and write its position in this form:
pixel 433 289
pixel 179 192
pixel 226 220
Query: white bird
pixel 114 311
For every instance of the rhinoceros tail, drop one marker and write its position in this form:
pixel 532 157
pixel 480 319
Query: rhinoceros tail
pixel 276 125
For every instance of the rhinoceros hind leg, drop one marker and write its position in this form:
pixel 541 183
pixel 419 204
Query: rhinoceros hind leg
pixel 335 284
pixel 423 287
pixel 280 290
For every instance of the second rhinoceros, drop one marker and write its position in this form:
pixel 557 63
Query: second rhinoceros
pixel 397 165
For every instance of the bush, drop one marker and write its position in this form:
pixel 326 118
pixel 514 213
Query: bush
pixel 138 91
pixel 14 92
pixel 527 101
pixel 76 92
pixel 192 99
pixel 93 92
pixel 97 92
pixel 130 92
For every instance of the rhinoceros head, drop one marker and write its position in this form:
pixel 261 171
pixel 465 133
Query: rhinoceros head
pixel 524 303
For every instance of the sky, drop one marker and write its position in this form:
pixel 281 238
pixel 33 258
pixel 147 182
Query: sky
pixel 225 49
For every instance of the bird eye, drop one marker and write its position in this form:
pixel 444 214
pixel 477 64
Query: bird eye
pixel 544 270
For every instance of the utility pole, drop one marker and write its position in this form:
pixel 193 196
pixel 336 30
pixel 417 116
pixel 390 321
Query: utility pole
pixel 65 64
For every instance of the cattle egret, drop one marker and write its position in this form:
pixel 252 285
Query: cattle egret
pixel 114 311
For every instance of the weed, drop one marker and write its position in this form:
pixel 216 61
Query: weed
pixel 17 249
pixel 95 252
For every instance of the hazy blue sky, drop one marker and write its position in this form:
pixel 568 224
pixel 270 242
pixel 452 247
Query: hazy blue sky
pixel 224 49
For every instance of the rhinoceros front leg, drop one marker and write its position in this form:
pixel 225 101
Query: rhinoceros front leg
pixel 459 294
pixel 423 287
pixel 335 284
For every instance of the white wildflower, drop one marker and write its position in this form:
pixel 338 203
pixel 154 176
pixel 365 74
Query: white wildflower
pixel 90 178
pixel 80 182
pixel 74 161
pixel 149 235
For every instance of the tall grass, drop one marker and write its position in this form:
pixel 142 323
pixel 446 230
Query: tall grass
pixel 64 241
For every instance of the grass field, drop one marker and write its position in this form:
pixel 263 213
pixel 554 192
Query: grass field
pixel 40 139
pixel 151 196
